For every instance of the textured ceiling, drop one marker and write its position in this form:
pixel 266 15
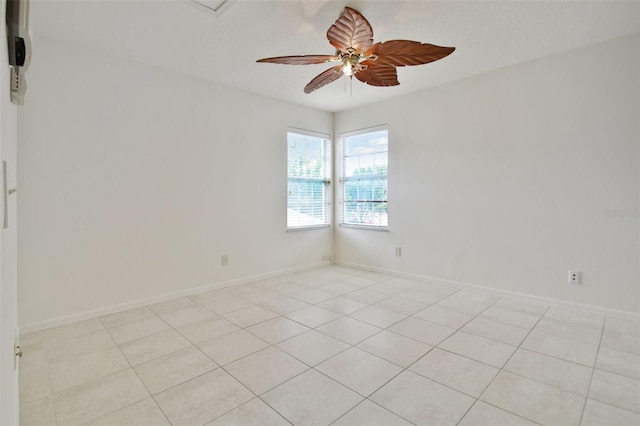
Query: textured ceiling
pixel 222 47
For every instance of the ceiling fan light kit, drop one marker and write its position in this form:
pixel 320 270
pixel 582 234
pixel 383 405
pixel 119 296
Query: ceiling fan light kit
pixel 357 55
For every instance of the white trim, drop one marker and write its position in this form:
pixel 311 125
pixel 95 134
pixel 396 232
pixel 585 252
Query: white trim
pixel 308 227
pixel 68 319
pixel 634 316
pixel 312 133
pixel 367 227
pixel 371 129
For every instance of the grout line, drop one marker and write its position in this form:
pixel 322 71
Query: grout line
pixel 593 371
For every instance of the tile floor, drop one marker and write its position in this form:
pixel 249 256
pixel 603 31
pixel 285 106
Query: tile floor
pixel 335 346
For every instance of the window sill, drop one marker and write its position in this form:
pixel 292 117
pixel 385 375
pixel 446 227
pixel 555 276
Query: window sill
pixel 308 228
pixel 365 227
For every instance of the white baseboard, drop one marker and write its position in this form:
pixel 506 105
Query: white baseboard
pixel 68 319
pixel 498 292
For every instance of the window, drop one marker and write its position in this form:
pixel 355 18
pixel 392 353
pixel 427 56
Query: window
pixel 363 168
pixel 309 179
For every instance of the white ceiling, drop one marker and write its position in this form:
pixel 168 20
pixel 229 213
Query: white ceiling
pixel 223 47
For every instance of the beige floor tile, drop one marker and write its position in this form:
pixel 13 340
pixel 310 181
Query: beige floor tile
pixel 37 413
pixel 311 399
pixel 559 347
pixel 342 305
pixel 170 370
pixel 533 400
pixel 138 329
pixel 186 316
pixel 474 297
pixel 509 317
pixel 632 327
pixel 249 316
pixel 152 347
pixel 276 330
pixel 242 289
pixel 362 281
pixel 172 305
pixel 443 316
pixel 388 288
pixel 252 413
pixel 202 399
pixel 424 331
pixel 616 390
pixel 367 296
pixel 338 288
pixel 349 330
pixel 400 305
pixel 422 401
pixel 496 331
pixel 85 367
pixel 623 363
pixel 125 317
pixel 68 331
pixel 378 316
pixel 423 295
pixel 599 414
pixel 284 305
pixel 312 347
pixel 290 288
pixel 261 296
pixel 89 401
pixel 566 375
pixel 359 370
pixel 454 304
pixel 84 344
pixel 478 348
pixel 313 316
pixel 524 306
pixel 210 296
pixel 34 382
pixel 576 317
pixel 143 413
pixel 581 333
pixel 265 370
pixel 621 340
pixel 313 296
pixel 232 346
pixel 455 371
pixel 482 414
pixel 227 304
pixel 369 414
pixel 395 348
pixel 201 331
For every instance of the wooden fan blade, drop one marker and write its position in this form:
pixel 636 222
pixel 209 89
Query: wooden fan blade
pixel 406 52
pixel 378 75
pixel 300 60
pixel 351 30
pixel 330 75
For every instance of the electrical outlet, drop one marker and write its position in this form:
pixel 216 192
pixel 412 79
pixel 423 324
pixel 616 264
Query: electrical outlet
pixel 326 258
pixel 574 277
pixel 398 251
pixel 225 260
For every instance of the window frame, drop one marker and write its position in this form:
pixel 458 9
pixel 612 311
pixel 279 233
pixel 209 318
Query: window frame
pixel 342 179
pixel 327 179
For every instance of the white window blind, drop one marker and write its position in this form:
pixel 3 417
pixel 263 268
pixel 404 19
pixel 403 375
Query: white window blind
pixel 308 179
pixel 363 172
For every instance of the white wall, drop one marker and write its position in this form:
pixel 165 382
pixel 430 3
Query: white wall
pixel 134 181
pixel 502 180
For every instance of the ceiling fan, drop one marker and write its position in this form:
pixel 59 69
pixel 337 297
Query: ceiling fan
pixel 373 64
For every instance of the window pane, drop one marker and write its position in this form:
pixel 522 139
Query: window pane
pixel 363 177
pixel 308 188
